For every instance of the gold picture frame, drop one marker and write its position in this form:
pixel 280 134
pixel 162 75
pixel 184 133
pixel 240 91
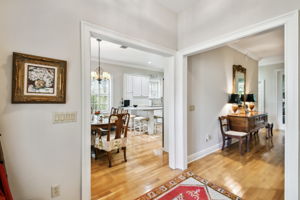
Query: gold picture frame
pixel 38 79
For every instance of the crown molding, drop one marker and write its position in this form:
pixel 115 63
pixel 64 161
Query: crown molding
pixel 244 51
pixel 271 60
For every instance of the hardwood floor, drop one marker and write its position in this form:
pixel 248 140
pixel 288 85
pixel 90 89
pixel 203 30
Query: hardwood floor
pixel 259 174
pixel 147 167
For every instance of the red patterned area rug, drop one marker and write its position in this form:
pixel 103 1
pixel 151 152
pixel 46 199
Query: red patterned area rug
pixel 188 186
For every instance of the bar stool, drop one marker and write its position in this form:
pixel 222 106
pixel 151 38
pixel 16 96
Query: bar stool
pixel 140 125
pixel 131 122
pixel 157 121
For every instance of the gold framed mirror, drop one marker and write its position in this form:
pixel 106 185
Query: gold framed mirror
pixel 239 79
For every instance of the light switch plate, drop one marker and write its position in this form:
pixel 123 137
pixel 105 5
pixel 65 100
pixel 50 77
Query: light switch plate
pixel 64 117
pixel 191 107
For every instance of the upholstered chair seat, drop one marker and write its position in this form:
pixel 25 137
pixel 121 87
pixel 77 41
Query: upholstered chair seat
pixel 113 144
pixel 236 133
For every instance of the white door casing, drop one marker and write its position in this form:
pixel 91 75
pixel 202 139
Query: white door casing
pixel 89 30
pixel 290 21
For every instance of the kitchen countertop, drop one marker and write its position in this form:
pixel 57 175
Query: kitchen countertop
pixel 144 108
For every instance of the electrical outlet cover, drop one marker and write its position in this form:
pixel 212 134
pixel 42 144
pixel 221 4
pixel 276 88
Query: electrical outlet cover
pixel 55 191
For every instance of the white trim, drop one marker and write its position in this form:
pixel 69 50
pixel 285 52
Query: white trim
pixel 271 61
pixel 85 116
pixel 89 30
pixel 181 109
pixel 290 21
pixel 204 152
pixel 291 61
pixel 169 112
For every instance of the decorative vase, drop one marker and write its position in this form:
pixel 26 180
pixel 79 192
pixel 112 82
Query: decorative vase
pixel 235 108
pixel 251 106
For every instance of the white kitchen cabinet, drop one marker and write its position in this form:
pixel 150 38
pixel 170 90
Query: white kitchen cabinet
pixel 145 86
pixel 129 84
pixel 136 86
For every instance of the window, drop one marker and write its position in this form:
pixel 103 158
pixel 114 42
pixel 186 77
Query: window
pixel 101 102
pixel 155 89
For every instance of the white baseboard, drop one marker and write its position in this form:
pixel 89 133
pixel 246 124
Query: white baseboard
pixel 165 150
pixel 204 152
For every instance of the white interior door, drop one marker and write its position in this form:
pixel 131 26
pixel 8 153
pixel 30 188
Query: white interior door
pixel 280 87
pixel 261 96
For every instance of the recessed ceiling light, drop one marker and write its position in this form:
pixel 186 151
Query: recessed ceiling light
pixel 149 62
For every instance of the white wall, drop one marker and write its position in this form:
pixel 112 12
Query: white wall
pixel 117 72
pixel 209 83
pixel 38 153
pixel 268 74
pixel 209 19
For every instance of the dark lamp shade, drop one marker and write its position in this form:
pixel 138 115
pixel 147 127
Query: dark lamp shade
pixel 234 98
pixel 250 98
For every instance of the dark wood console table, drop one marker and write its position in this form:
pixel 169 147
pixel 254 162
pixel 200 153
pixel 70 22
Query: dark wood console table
pixel 249 123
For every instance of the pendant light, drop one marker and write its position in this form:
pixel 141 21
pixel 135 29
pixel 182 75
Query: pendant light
pixel 99 70
pixel 99 73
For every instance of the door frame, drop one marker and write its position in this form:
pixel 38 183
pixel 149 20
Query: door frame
pixel 89 30
pixel 280 126
pixel 290 21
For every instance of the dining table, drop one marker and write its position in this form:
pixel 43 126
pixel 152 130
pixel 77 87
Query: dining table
pixel 102 123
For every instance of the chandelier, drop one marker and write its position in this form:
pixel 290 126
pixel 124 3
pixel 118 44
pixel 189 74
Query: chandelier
pixel 99 74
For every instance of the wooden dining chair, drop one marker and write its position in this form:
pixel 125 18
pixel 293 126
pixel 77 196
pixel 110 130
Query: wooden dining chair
pixel 122 111
pixel 228 134
pixel 114 110
pixel 118 110
pixel 114 139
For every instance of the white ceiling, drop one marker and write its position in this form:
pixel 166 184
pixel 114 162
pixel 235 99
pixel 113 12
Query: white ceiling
pixel 112 53
pixel 264 45
pixel 177 5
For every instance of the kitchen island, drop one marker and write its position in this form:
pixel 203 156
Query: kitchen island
pixel 150 114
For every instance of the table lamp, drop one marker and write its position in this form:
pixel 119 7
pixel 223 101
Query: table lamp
pixel 234 99
pixel 251 99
